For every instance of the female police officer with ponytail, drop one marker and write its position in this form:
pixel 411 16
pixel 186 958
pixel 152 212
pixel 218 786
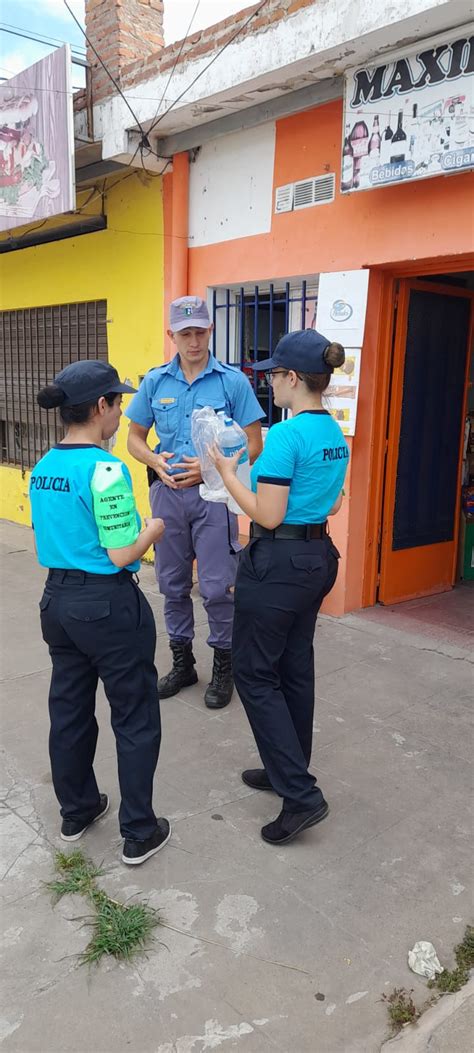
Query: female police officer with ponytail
pixel 287 569
pixel 94 618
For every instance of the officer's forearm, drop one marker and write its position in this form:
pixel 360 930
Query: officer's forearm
pixel 250 504
pixel 121 557
pixel 140 450
pixel 268 508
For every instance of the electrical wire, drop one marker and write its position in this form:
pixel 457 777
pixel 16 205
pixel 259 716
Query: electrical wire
pixel 109 74
pixel 180 52
pixel 58 40
pixel 239 30
pixel 78 59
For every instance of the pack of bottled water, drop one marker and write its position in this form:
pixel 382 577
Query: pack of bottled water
pixel 209 428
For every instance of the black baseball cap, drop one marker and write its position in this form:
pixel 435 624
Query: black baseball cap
pixel 302 351
pixel 88 380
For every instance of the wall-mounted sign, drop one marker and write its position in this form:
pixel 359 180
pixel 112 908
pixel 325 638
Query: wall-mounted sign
pixel 341 397
pixel 342 303
pixel 37 142
pixel 410 118
pixel 340 315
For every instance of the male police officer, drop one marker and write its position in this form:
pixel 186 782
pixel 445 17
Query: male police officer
pixel 194 528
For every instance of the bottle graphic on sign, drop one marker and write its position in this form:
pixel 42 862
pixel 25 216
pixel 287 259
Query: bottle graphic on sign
pixel 399 142
pixel 461 128
pixel 347 176
pixel 375 141
pixel 386 144
pixel 414 133
pixel 359 140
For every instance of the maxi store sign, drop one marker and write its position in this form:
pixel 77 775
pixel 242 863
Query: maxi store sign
pixel 412 117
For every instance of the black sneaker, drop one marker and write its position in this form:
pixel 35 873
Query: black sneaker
pixel 288 825
pixel 135 852
pixel 257 778
pixel 72 830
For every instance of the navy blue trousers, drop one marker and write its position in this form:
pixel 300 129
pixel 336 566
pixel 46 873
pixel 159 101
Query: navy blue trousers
pixel 279 589
pixel 102 627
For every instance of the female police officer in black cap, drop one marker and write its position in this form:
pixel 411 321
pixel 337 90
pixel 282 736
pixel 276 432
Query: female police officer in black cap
pixel 95 620
pixel 286 570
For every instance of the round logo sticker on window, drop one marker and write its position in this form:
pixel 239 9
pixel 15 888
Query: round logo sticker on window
pixel 341 311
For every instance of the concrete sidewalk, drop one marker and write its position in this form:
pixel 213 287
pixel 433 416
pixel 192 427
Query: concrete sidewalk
pixel 284 949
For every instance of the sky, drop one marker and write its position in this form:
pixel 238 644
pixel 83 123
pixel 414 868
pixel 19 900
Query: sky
pixel 51 18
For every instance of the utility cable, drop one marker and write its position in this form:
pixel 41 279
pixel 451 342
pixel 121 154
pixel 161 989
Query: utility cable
pixel 180 52
pixel 109 74
pixel 18 31
pixel 239 30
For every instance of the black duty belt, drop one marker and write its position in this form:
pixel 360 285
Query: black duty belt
pixel 291 531
pixel 81 577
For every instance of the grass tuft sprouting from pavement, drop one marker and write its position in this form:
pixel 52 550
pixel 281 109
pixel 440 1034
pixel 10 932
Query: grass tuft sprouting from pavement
pixel 451 980
pixel 119 930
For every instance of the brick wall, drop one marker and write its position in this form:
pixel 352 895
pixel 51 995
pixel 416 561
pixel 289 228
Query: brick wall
pixel 214 37
pixel 125 33
pixel 128 36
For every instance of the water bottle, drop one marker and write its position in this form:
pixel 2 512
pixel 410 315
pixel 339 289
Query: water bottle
pixel 231 440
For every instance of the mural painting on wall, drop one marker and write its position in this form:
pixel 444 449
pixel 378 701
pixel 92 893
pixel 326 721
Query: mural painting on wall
pixel 37 142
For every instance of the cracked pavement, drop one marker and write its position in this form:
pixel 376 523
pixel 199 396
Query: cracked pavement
pixel 261 948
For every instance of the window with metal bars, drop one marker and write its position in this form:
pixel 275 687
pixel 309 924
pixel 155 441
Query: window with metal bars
pixel 250 320
pixel 35 344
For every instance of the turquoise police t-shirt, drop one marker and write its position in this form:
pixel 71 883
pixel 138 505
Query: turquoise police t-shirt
pixel 309 454
pixel 82 503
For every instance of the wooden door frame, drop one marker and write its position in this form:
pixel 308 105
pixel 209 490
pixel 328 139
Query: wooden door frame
pixel 391 276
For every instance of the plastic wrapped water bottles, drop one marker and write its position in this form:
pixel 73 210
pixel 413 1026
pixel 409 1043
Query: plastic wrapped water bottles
pixel 207 429
pixel 232 439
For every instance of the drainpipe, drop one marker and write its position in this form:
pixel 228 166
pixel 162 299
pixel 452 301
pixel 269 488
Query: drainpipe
pixel 177 243
pixel 180 226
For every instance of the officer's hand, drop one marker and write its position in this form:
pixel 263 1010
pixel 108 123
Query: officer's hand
pixel 226 466
pixel 156 528
pixel 162 470
pixel 191 473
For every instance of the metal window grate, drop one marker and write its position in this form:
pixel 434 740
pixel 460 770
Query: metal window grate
pixel 248 323
pixel 35 343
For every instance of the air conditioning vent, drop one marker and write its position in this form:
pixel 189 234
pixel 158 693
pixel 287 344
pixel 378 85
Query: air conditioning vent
pixel 318 190
pixel 324 188
pixel 284 198
pixel 304 193
pixel 315 191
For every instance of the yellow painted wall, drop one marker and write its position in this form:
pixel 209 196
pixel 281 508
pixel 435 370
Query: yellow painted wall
pixel 123 265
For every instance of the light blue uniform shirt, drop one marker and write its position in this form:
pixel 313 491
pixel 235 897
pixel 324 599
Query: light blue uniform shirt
pixel 309 454
pixel 166 400
pixel 66 531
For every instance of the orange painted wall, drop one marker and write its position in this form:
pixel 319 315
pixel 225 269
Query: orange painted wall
pixel 377 228
pixel 429 218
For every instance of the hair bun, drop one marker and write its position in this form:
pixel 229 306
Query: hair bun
pixel 334 355
pixel 50 397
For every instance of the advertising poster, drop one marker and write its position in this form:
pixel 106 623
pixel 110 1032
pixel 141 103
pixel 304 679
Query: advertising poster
pixel 340 398
pixel 37 142
pixel 411 117
pixel 342 306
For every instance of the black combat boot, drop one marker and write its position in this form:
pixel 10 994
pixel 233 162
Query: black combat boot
pixel 219 691
pixel 182 674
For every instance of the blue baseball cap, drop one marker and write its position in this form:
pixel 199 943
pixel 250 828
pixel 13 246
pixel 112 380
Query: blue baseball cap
pixel 189 312
pixel 88 380
pixel 302 351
